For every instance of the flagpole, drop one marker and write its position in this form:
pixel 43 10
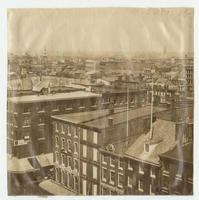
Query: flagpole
pixel 151 111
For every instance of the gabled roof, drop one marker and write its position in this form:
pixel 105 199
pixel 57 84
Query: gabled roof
pixel 163 140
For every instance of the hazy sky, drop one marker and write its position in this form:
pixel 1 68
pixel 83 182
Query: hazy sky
pixel 100 30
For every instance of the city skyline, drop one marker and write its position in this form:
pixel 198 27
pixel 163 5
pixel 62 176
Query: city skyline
pixel 101 31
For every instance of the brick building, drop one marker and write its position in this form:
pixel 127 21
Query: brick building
pixel 176 165
pixel 28 119
pixel 176 173
pixel 78 142
pixel 142 157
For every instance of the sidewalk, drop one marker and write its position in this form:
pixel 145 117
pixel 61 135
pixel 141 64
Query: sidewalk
pixel 55 189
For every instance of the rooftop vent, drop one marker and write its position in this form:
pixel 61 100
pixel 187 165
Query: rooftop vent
pixel 110 121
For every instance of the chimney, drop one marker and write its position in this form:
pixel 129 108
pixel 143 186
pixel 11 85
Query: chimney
pixel 111 108
pixel 110 121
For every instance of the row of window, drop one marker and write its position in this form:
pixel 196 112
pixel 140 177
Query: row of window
pixel 67 161
pixel 112 176
pixel 67 147
pixel 141 169
pixel 76 148
pixel 67 129
pixel 72 130
pixel 112 162
pixel 67 179
pixel 130 165
pixel 94 153
pixel 94 170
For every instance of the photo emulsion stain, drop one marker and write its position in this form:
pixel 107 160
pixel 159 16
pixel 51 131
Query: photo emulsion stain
pixel 100 101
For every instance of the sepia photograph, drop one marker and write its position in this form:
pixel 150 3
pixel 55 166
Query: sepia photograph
pixel 100 101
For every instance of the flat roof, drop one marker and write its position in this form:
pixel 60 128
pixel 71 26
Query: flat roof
pixel 100 118
pixel 122 117
pixel 53 97
pixel 82 117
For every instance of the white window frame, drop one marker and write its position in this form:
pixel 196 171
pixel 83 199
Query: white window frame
pixel 62 143
pixel 103 159
pixel 129 166
pixel 84 151
pixel 95 172
pixel 104 178
pixel 62 177
pixel 62 129
pixel 141 169
pixel 95 154
pixel 76 132
pixel 75 149
pixel 151 172
pixel 139 188
pixel 62 159
pixel 119 164
pixel 94 188
pixel 150 190
pixel 85 134
pixel 118 183
pixel 84 168
pixel 69 133
pixel 69 141
pixel 112 165
pixel 56 141
pixel 75 160
pixel 128 182
pixel 111 181
pixel 95 137
pixel 68 161
pixel 56 127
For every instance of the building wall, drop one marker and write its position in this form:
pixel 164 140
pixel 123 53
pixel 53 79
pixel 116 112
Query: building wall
pixel 112 174
pixel 72 174
pixel 29 125
pixel 141 182
pixel 176 177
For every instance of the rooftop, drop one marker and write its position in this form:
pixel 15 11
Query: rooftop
pixel 53 97
pixel 21 165
pixel 100 118
pixel 120 146
pixel 162 141
pixel 184 154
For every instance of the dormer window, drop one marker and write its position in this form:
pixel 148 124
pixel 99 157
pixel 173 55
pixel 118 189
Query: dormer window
pixel 146 147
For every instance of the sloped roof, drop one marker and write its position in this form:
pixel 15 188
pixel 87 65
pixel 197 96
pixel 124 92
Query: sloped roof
pixel 163 140
pixel 180 153
pixel 18 165
pixel 40 85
